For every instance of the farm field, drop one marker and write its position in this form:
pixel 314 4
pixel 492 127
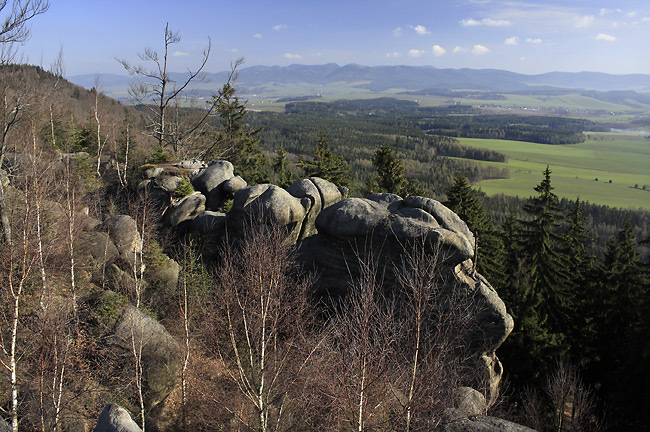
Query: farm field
pixel 602 170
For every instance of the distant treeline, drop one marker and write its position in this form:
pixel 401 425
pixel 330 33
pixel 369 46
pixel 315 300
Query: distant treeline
pixel 456 120
pixel 298 98
pixel 355 135
pixel 464 94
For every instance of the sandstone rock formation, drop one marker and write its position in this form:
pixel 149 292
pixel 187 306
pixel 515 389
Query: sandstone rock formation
pixel 331 231
pixel 114 418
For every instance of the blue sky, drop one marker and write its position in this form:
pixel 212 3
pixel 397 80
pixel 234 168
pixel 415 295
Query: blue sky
pixel 521 36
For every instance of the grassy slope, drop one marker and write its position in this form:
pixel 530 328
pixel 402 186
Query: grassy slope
pixel 623 159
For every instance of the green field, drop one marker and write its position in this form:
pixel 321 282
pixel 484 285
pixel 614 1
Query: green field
pixel 623 159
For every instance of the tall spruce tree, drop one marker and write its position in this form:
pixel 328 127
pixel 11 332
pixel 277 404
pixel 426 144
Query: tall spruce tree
pixel 529 351
pixel 577 244
pixel 623 355
pixel 284 175
pixel 543 253
pixel 538 292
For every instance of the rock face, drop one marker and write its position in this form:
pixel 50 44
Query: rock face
pixel 123 231
pixel 161 354
pixel 271 204
pixel 186 208
pixel 209 181
pixel 484 424
pixel 114 418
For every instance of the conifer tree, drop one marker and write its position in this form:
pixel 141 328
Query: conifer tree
pixel 390 174
pixel 466 203
pixel 542 248
pixel 235 141
pixel 577 242
pixel 624 359
pixel 284 176
pixel 538 293
pixel 327 165
pixel 529 350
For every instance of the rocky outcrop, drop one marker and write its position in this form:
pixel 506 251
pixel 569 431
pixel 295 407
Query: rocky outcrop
pixel 186 208
pixel 333 232
pixel 321 194
pixel 161 354
pixel 269 204
pixel 123 231
pixel 210 182
pixel 384 216
pixel 114 418
pixel 484 424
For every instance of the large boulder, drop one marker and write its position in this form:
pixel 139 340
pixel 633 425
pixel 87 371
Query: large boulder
pixel 100 247
pixel 484 424
pixel 209 181
pixel 321 193
pixel 186 208
pixel 161 354
pixel 123 231
pixel 114 418
pixel 266 203
pixel 387 216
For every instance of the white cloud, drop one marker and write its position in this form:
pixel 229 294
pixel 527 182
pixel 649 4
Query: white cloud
pixel 416 53
pixel 584 21
pixel 470 22
pixel 480 49
pixel 393 54
pixel 257 36
pixel 421 30
pixel 292 56
pixel 513 41
pixel 631 14
pixel 645 19
pixel 496 22
pixel 605 37
pixel 438 50
pixel 459 49
pixel 605 11
pixel 318 54
pixel 279 27
pixel 397 32
pixel 180 54
pixel 522 59
pixel 231 50
pixel 535 41
pixel 490 22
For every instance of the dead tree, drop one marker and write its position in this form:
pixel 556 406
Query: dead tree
pixel 14 30
pixel 156 84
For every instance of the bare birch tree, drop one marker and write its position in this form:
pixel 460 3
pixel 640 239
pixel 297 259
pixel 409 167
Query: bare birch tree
pixel 261 309
pixel 436 320
pixel 363 343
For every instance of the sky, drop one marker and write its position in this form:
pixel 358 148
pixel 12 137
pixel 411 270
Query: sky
pixel 521 36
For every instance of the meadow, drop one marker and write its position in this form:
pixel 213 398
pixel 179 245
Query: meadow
pixel 609 168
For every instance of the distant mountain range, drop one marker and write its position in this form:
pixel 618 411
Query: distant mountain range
pixel 382 78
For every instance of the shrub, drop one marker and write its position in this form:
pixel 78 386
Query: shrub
pixel 184 188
